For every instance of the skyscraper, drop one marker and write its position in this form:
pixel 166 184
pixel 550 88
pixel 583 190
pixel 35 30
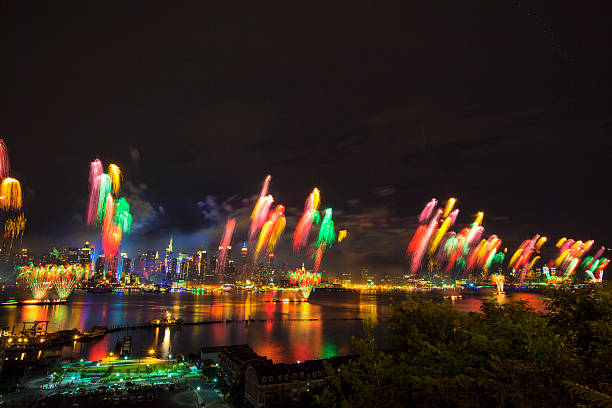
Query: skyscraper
pixel 85 255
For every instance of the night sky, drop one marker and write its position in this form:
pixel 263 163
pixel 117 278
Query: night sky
pixel 382 105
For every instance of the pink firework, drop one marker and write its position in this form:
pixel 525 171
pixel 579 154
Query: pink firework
pixel 225 244
pixel 424 242
pixel 426 213
pixel 4 161
pixel 95 171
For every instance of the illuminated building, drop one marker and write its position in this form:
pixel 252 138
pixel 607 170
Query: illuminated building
pixel 24 257
pixel 69 256
pixel 85 255
pixel 99 267
pixel 150 263
pixel 210 276
pixel 138 267
pixel 50 258
pixel 183 264
pixel 126 267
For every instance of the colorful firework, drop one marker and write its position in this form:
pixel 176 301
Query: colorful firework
pixel 342 234
pixel 14 227
pixel 114 172
pixel 310 215
pixel 10 195
pixel 225 245
pixel 95 171
pixel 466 250
pixel 260 211
pixel 65 278
pixel 104 190
pixel 271 232
pixel 39 279
pixel 305 280
pixel 498 280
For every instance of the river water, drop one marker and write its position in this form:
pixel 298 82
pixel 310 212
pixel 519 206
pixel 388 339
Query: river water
pixel 285 335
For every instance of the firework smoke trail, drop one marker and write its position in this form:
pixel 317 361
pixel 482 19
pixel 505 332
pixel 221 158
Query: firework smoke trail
pixel 318 257
pixel 595 258
pixel 10 192
pixel 326 238
pixel 38 279
pixel 327 234
pixel 14 227
pixel 271 231
pixel 114 172
pixel 4 160
pixel 260 211
pixel 104 190
pixel 449 207
pixel 225 245
pixel 426 213
pixel 111 232
pixel 443 251
pixel 540 242
pixel 122 216
pixel 95 171
pixel 66 278
pixel 439 235
pixel 300 236
pixel 422 246
pixel 418 235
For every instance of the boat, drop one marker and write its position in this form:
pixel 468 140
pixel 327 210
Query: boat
pixel 43 302
pixel 288 300
pixel 99 289
pixel 10 302
pixel 165 320
pixel 94 332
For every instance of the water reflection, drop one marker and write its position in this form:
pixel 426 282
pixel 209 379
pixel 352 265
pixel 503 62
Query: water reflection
pixel 281 331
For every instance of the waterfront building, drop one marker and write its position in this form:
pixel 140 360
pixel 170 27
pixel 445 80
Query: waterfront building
pixel 285 384
pixel 234 360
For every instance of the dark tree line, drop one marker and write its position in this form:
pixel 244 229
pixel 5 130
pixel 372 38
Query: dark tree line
pixel 505 356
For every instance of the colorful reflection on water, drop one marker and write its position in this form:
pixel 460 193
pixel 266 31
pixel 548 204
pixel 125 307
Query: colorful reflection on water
pixel 280 331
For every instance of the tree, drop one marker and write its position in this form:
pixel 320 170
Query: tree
pixel 506 355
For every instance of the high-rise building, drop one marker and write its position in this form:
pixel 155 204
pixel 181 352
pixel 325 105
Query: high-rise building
pixel 99 268
pixel 150 265
pixel 210 278
pixel 24 257
pixel 69 256
pixel 183 266
pixel 85 255
pixel 139 265
pixel 172 270
pixel 50 258
pixel 111 268
pixel 126 267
